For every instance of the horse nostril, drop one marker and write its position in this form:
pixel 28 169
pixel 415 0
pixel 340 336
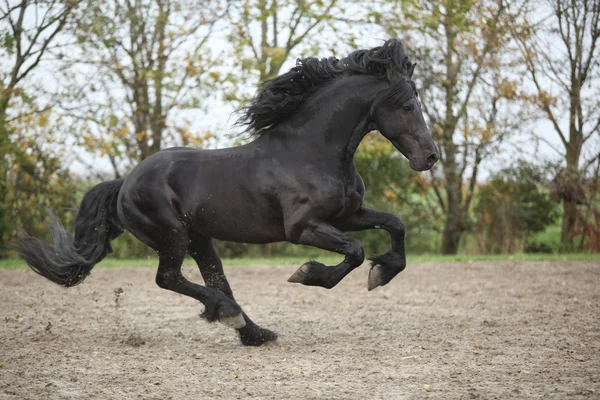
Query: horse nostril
pixel 432 159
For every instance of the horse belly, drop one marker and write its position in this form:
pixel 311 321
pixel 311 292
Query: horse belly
pixel 252 223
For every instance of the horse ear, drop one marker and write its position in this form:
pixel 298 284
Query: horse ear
pixel 411 69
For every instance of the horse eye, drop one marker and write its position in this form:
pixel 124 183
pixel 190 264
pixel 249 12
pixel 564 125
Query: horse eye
pixel 408 108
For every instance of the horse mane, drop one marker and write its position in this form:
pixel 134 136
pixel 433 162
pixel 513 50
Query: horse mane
pixel 278 98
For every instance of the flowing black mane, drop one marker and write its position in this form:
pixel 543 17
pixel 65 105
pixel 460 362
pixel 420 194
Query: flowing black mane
pixel 279 97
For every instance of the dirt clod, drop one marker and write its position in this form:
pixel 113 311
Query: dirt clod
pixel 118 293
pixel 134 340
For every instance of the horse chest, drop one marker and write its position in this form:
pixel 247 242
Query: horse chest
pixel 352 203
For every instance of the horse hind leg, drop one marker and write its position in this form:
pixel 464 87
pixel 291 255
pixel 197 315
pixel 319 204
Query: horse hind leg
pixel 167 236
pixel 217 306
pixel 211 268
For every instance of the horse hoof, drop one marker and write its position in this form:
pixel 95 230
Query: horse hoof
pixel 235 321
pixel 314 273
pixel 300 275
pixel 376 277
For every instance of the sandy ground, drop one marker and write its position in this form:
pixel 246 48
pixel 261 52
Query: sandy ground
pixel 448 331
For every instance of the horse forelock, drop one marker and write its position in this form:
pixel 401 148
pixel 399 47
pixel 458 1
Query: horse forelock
pixel 278 98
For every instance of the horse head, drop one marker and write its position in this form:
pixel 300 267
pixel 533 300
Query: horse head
pixel 396 111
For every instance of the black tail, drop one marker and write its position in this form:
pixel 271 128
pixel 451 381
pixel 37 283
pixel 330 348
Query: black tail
pixel 73 257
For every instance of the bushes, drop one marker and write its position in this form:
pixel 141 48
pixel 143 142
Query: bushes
pixel 37 182
pixel 511 206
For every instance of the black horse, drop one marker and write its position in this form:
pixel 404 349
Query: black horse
pixel 295 182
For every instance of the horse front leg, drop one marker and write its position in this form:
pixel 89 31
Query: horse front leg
pixel 384 267
pixel 320 234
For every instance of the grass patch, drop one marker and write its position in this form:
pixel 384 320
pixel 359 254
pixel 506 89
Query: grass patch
pixel 550 237
pixel 332 260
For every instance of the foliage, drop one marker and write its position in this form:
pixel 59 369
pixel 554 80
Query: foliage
pixel 546 239
pixel 264 33
pixel 28 31
pixel 37 179
pixel 511 206
pixel 127 246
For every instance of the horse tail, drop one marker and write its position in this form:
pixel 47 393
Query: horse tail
pixel 72 258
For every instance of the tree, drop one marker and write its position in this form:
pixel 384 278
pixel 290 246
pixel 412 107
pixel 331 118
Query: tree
pixel 29 30
pixel 266 32
pixel 138 62
pixel 38 177
pixel 460 47
pixel 561 54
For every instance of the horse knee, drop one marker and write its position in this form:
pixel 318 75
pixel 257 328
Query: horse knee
pixel 355 252
pixel 396 225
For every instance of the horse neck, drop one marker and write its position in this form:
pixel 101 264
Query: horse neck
pixel 337 118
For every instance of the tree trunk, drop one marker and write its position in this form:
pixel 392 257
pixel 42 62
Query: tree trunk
pixel 568 225
pixel 570 204
pixel 454 226
pixel 451 235
pixel 4 151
